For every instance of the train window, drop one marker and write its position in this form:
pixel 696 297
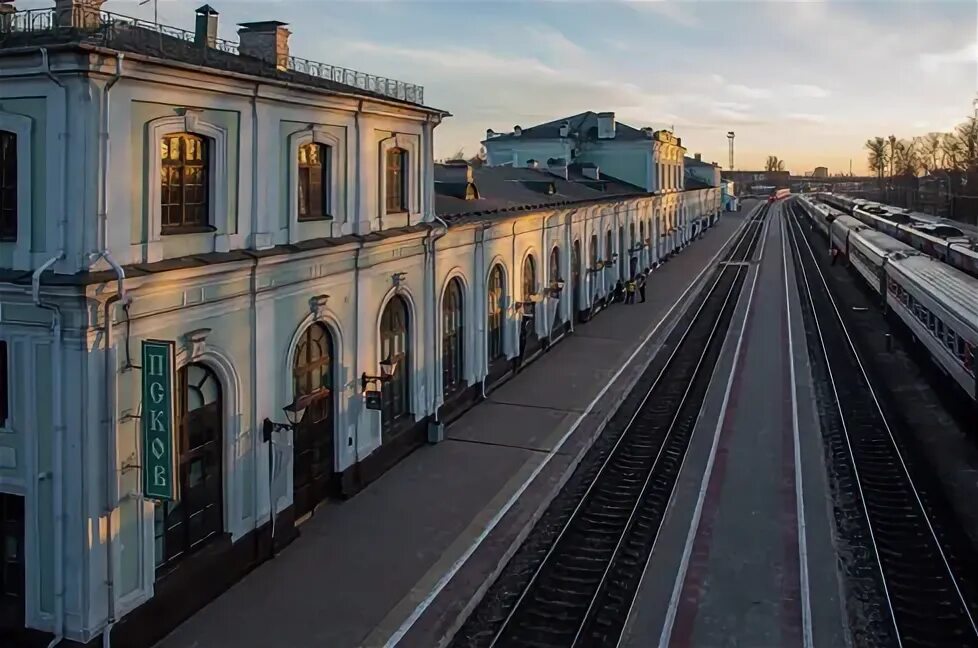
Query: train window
pixel 940 329
pixel 932 321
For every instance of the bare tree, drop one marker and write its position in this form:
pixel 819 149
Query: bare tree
pixel 773 163
pixel 930 151
pixel 952 152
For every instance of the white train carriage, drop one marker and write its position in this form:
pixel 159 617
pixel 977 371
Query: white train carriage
pixel 964 256
pixel 870 250
pixel 840 229
pixel 939 304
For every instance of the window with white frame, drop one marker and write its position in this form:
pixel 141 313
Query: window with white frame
pixel 184 183
pixel 313 186
pixel 395 180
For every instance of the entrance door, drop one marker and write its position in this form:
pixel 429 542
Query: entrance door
pixel 576 279
pixel 312 462
pixel 12 566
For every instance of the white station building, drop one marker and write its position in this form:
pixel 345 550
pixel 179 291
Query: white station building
pixel 264 246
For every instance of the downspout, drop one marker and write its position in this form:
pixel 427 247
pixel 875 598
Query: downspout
pixel 482 276
pixel 57 452
pixel 512 276
pixel 102 252
pixel 356 288
pixel 57 442
pixel 434 405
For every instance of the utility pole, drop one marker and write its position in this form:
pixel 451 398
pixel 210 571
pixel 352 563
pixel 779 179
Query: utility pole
pixel 730 138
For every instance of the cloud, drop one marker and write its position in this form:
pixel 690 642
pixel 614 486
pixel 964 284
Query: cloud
pixel 676 12
pixel 807 118
pixel 748 92
pixel 808 91
pixel 934 61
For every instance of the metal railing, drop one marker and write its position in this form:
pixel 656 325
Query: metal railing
pixel 111 29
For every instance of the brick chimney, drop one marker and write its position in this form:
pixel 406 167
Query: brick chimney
pixel 606 125
pixel 205 30
pixel 266 40
pixel 564 128
pixel 77 13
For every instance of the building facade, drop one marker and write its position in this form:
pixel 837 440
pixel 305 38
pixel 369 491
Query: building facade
pixel 280 227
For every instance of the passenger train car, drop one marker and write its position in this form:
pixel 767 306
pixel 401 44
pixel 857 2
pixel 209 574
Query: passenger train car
pixel 780 194
pixel 938 237
pixel 936 302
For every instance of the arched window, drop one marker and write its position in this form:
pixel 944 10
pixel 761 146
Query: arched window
pixel 641 232
pixel 8 186
pixel 529 284
pixel 312 463
pixel 622 252
pixel 554 265
pixel 184 183
pixel 184 526
pixel 496 295
pixel 631 237
pixel 609 247
pixel 452 346
pixel 396 181
pixel 314 171
pixel 529 278
pixel 593 251
pixel 395 401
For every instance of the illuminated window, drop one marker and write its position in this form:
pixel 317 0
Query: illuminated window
pixel 395 403
pixel 184 183
pixel 497 294
pixel 452 348
pixel 313 185
pixel 396 181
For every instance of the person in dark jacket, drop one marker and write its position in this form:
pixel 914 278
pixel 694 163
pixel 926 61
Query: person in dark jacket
pixel 619 294
pixel 642 278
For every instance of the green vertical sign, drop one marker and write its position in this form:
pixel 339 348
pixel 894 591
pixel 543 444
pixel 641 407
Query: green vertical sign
pixel 159 464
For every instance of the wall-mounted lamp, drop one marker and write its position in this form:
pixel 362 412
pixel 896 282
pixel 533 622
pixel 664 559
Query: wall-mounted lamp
pixel 555 288
pixel 387 368
pixel 293 413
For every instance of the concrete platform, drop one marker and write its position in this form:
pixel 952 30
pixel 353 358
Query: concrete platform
pixel 745 556
pixel 403 559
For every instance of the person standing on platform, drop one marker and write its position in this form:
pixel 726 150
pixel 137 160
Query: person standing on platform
pixel 630 291
pixel 642 278
pixel 619 294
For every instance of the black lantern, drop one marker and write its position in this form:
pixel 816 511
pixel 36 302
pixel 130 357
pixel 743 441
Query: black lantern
pixel 387 368
pixel 293 413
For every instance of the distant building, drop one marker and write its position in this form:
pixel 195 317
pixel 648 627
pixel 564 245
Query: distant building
pixel 653 160
pixel 820 172
pixel 746 181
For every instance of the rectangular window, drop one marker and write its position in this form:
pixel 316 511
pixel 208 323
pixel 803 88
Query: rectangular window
pixel 4 385
pixel 396 181
pixel 313 186
pixel 184 184
pixel 8 186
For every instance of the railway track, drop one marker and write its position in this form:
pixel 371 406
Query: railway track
pixel 927 601
pixel 580 591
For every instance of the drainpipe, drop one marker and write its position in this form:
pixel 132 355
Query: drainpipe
pixel 433 403
pixel 109 407
pixel 110 369
pixel 57 442
pixel 481 275
pixel 57 451
pixel 512 276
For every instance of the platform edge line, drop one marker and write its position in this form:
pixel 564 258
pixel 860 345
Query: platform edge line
pixel 677 590
pixel 408 623
pixel 806 610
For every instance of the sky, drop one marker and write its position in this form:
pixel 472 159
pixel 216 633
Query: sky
pixel 807 81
